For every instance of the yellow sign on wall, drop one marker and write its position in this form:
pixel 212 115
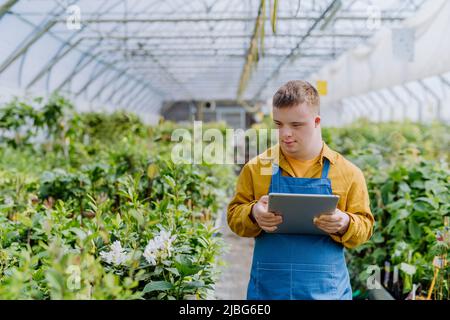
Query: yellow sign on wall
pixel 322 87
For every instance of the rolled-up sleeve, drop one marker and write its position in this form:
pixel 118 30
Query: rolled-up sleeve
pixel 357 207
pixel 240 207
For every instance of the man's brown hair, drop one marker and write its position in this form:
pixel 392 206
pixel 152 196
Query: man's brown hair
pixel 296 92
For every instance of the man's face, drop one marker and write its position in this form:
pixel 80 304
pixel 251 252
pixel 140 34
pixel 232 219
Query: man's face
pixel 297 126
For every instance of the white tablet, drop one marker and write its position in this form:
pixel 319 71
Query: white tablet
pixel 299 210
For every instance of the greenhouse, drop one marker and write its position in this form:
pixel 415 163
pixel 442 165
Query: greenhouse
pixel 224 150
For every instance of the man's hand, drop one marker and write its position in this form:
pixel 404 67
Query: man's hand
pixel 268 221
pixel 337 222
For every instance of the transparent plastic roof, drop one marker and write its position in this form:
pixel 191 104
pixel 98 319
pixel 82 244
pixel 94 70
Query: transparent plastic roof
pixel 137 53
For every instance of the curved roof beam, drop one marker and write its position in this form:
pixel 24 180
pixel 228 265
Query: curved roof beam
pixel 27 43
pixel 86 55
pixel 299 44
pixel 5 7
pixel 60 54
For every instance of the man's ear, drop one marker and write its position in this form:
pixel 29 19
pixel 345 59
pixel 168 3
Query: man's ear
pixel 317 121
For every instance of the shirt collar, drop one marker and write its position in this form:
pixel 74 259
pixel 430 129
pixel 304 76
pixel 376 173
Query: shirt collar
pixel 277 157
pixel 328 153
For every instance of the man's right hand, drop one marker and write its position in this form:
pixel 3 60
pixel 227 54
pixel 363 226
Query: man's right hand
pixel 268 221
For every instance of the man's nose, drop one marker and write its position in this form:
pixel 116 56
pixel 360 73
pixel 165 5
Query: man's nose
pixel 285 132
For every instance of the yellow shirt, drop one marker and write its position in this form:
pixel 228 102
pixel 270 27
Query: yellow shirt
pixel 301 167
pixel 347 181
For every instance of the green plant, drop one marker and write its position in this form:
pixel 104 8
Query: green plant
pixel 66 203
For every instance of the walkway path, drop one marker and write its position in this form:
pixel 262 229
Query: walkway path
pixel 232 284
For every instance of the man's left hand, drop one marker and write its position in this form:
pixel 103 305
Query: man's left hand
pixel 337 222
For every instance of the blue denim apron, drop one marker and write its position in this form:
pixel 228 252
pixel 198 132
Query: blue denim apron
pixel 303 267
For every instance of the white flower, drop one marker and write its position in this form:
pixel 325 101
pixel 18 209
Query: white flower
pixel 150 253
pixel 402 245
pixel 159 247
pixel 164 235
pixel 116 255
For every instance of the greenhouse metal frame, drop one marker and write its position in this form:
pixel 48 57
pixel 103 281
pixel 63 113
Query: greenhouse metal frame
pixel 135 54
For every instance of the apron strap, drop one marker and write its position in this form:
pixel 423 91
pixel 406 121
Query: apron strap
pixel 326 167
pixel 276 174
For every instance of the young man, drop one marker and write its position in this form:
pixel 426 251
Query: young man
pixel 287 266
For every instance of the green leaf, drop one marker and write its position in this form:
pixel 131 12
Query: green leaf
pixel 173 270
pixel 379 254
pixel 386 190
pixel 407 284
pixel 26 221
pixel 157 286
pixel 56 282
pixel 396 205
pixel 404 187
pixel 435 187
pixel 170 181
pixel 421 207
pixel 80 233
pixel 138 216
pixel 204 243
pixel 195 284
pixel 429 201
pixel 185 267
pixel 418 184
pixel 414 229
pixel 378 238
